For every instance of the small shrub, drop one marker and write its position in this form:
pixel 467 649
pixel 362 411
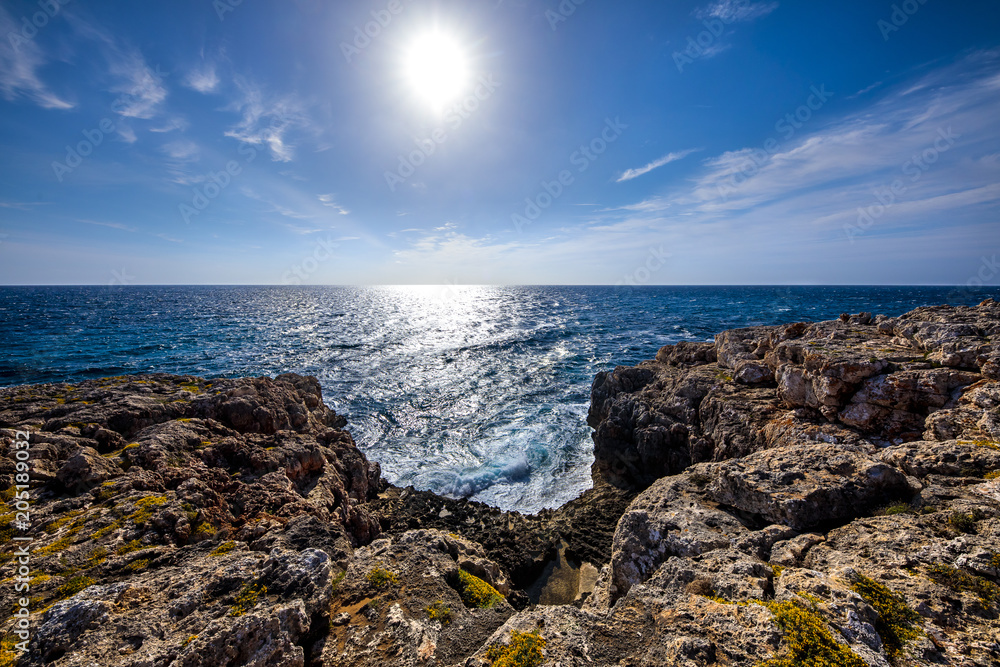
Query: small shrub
pixel 439 612
pixel 380 578
pixel 145 509
pixel 97 556
pixel 992 475
pixel 138 565
pixel 960 580
pixel 74 586
pixel 896 509
pixel 476 593
pixel 247 599
pixel 810 643
pixel 203 530
pixel 38 579
pixel 8 656
pixel 223 549
pixel 101 532
pixel 106 492
pixel 53 526
pixel 524 650
pixel 965 522
pixel 897 621
pixel 337 580
pixel 129 547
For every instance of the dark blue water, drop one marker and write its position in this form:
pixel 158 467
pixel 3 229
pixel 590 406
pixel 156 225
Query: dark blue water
pixel 472 391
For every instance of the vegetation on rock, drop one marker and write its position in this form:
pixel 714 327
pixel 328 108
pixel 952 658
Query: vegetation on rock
pixel 810 643
pixel 247 599
pixel 524 650
pixel 476 593
pixel 381 578
pixel 897 624
pixel 439 611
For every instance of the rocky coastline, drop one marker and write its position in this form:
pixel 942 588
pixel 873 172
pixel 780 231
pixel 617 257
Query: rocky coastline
pixel 806 494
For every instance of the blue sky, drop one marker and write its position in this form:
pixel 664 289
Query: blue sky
pixel 719 142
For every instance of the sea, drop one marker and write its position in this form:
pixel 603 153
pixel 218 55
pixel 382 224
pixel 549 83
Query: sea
pixel 479 392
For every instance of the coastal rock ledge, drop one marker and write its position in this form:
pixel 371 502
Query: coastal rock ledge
pixel 797 495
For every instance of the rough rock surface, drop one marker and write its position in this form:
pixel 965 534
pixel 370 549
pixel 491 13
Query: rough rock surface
pixel 182 521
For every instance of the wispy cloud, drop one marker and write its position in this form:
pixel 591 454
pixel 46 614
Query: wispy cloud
pixel 182 149
pixel 20 60
pixel 629 174
pixel 203 79
pixel 112 225
pixel 285 212
pixel 934 138
pixel 19 205
pixel 140 88
pixel 266 119
pixel 732 11
pixel 328 200
pixel 175 123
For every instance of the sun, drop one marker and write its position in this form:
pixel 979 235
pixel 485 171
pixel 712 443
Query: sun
pixel 437 69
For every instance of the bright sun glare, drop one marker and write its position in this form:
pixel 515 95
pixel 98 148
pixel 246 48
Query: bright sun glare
pixel 436 68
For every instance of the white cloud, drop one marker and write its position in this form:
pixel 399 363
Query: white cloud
pixel 20 60
pixel 182 149
pixel 629 174
pixel 175 123
pixel 266 120
pixel 732 11
pixel 112 225
pixel 204 79
pixel 126 133
pixel 328 200
pixel 140 89
pixel 934 139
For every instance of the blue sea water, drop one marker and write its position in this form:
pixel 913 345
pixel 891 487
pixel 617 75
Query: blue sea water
pixel 469 391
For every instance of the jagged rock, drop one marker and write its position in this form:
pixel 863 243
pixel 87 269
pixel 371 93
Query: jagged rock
pixel 668 519
pixel 780 464
pixel 389 619
pixel 807 486
pixel 87 468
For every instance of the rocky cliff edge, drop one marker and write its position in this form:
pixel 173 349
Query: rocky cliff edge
pixel 808 494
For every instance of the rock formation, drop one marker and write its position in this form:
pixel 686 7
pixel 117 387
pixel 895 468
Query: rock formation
pixel 784 496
